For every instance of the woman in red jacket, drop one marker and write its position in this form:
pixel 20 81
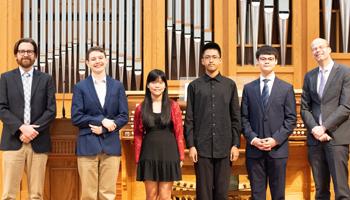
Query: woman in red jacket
pixel 158 135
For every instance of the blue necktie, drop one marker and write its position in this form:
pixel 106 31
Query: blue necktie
pixel 265 93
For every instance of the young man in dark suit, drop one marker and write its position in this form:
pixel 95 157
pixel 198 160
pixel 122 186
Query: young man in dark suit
pixel 325 109
pixel 99 110
pixel 27 107
pixel 268 118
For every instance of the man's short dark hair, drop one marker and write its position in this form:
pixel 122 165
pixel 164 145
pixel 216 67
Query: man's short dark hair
pixel 267 50
pixel 96 48
pixel 211 45
pixel 26 40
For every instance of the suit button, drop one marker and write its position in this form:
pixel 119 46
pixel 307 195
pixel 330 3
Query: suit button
pixel 213 133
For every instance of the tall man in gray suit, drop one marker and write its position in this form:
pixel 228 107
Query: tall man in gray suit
pixel 325 109
pixel 27 107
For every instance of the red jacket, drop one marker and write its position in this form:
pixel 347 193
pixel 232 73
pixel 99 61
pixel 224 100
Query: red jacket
pixel 176 118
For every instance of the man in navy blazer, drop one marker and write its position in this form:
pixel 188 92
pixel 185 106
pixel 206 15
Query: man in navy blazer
pixel 100 110
pixel 268 118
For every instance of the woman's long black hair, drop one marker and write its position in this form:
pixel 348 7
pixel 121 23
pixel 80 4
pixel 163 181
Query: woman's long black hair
pixel 147 110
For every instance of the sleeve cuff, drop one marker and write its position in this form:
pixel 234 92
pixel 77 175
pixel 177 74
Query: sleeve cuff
pixel 255 138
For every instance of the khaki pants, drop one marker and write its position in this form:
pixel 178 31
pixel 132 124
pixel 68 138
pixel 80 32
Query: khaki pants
pixel 98 176
pixel 13 165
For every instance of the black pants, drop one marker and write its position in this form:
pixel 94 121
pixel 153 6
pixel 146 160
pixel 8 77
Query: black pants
pixel 329 160
pixel 265 170
pixel 212 178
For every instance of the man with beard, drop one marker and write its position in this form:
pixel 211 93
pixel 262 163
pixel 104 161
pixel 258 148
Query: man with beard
pixel 27 107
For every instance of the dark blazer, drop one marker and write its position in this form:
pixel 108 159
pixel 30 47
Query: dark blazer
pixel 43 109
pixel 334 105
pixel 86 109
pixel 277 120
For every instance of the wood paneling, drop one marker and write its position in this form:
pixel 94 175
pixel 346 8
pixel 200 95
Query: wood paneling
pixel 62 164
pixel 10 26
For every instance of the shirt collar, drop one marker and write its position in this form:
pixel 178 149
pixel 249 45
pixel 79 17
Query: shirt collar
pixel 99 81
pixel 271 77
pixel 328 67
pixel 217 77
pixel 30 72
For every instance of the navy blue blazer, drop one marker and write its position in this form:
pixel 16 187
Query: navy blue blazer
pixel 277 120
pixel 86 109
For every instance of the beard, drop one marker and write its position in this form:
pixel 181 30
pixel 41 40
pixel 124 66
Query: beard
pixel 26 62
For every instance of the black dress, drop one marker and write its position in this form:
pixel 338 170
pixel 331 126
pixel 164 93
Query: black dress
pixel 159 157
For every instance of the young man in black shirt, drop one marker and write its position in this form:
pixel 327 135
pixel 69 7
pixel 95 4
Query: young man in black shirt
pixel 212 126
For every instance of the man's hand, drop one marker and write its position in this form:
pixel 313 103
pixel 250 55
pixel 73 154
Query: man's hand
pixel 318 131
pixel 193 154
pixel 24 139
pixel 109 124
pixel 234 153
pixel 96 129
pixel 325 138
pixel 29 131
pixel 259 143
pixel 269 143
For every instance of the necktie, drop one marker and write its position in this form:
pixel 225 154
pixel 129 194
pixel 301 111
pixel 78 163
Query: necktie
pixel 265 93
pixel 321 89
pixel 27 93
pixel 322 82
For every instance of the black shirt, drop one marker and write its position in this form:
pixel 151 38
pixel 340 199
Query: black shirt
pixel 212 122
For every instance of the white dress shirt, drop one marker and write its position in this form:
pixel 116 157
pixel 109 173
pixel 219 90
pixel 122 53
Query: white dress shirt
pixel 326 71
pixel 271 78
pixel 101 89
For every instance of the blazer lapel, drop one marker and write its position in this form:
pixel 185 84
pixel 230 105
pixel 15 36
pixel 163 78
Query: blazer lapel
pixel 93 93
pixel 18 81
pixel 109 84
pixel 35 82
pixel 330 78
pixel 313 81
pixel 274 91
pixel 258 94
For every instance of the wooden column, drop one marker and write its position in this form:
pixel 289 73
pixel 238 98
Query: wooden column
pixel 10 26
pixel 154 36
pixel 313 30
pixel 10 16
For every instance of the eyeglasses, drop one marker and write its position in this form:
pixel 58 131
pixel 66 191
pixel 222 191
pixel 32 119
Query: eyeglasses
pixel 267 58
pixel 22 52
pixel 211 57
pixel 315 48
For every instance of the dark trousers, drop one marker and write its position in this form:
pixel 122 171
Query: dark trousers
pixel 329 160
pixel 212 178
pixel 267 169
